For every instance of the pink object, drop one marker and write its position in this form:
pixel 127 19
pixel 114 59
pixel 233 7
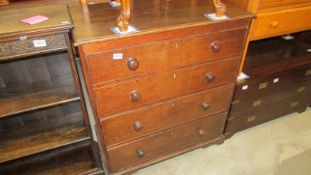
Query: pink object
pixel 35 19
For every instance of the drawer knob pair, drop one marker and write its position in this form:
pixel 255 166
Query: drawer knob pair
pixel 138 126
pixel 140 153
pixel 209 77
pixel 135 96
pixel 215 46
pixel 132 64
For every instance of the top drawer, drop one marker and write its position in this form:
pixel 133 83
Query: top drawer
pixel 33 45
pixel 265 5
pixel 281 22
pixel 164 55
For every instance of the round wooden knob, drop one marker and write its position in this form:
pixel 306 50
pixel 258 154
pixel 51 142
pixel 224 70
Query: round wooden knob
pixel 132 64
pixel 140 153
pixel 209 76
pixel 215 46
pixel 201 132
pixel 275 24
pixel 205 106
pixel 135 96
pixel 138 126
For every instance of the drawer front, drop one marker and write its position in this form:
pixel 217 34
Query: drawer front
pixel 164 55
pixel 281 4
pixel 125 95
pixel 165 142
pixel 282 22
pixel 247 104
pixel 256 87
pixel 273 111
pixel 164 115
pixel 32 45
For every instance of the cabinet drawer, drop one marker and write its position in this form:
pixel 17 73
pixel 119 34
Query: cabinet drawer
pixel 147 148
pixel 164 55
pixel 129 94
pixel 256 87
pixel 165 115
pixel 281 22
pixel 265 5
pixel 270 112
pixel 26 46
pixel 247 104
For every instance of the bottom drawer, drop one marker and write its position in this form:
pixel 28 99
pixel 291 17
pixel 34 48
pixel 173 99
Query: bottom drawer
pixel 273 111
pixel 171 140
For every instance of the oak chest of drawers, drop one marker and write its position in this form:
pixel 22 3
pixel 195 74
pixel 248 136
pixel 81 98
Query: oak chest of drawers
pixel 165 90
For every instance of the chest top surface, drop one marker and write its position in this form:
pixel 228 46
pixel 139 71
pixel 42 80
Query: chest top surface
pixel 11 20
pixel 93 23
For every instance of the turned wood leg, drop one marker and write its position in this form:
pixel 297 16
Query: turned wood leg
pixel 220 8
pixel 125 15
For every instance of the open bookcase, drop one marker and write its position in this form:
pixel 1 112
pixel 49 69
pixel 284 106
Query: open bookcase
pixel 44 127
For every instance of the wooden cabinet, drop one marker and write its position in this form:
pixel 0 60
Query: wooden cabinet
pixel 279 83
pixel 281 22
pixel 44 127
pixel 175 75
pixel 277 17
pixel 278 69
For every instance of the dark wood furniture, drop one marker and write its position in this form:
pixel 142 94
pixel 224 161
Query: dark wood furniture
pixel 261 99
pixel 162 91
pixel 44 127
pixel 279 83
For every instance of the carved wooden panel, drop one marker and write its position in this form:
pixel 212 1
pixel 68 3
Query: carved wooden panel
pixel 26 45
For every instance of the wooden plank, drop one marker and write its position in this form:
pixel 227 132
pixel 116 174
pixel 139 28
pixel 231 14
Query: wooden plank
pixel 37 100
pixel 17 147
pixel 73 159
